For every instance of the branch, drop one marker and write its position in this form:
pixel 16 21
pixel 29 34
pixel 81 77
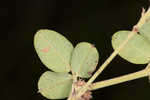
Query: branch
pixel 121 79
pixel 143 19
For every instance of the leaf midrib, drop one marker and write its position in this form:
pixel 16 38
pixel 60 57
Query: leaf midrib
pixel 58 54
pixel 53 85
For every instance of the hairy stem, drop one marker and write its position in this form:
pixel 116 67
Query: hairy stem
pixel 121 79
pixel 71 96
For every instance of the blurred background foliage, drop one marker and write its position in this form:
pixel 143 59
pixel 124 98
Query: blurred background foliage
pixel 93 21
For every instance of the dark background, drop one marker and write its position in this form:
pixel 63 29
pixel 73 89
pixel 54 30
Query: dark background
pixel 93 21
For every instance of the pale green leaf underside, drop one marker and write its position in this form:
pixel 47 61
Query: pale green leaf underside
pixel 53 49
pixel 145 30
pixel 137 50
pixel 84 59
pixel 55 85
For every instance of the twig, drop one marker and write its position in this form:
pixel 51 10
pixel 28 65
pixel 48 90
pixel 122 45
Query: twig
pixel 143 19
pixel 121 79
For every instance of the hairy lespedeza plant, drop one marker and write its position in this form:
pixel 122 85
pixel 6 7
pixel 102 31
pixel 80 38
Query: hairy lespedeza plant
pixel 59 55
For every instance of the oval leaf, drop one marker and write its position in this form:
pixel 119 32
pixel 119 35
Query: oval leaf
pixel 84 59
pixel 137 50
pixel 145 30
pixel 55 85
pixel 53 49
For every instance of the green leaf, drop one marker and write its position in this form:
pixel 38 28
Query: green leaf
pixel 137 50
pixel 55 85
pixel 84 59
pixel 145 30
pixel 53 49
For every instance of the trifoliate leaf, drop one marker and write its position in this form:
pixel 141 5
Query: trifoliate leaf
pixel 53 49
pixel 84 59
pixel 54 85
pixel 137 50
